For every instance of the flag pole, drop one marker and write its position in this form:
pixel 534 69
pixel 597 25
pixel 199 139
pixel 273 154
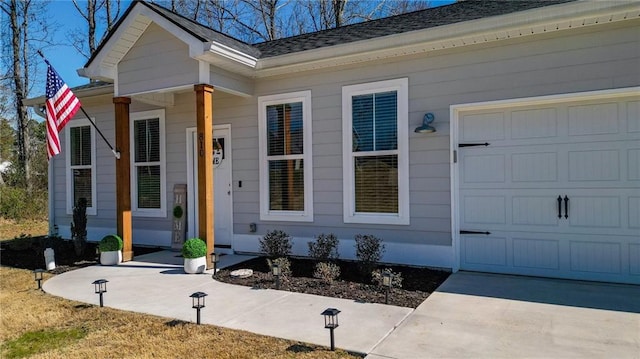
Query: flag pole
pixel 113 150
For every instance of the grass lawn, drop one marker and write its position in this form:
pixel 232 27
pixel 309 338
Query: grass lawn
pixel 10 229
pixel 37 325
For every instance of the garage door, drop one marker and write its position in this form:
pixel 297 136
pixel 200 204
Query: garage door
pixel 551 189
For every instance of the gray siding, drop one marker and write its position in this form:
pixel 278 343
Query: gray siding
pixel 172 66
pixel 569 61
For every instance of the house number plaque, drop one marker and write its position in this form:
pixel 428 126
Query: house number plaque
pixel 179 215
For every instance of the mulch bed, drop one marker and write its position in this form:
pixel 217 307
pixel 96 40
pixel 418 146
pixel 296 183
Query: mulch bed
pixel 28 253
pixel 417 282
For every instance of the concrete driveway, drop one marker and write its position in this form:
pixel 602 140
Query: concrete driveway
pixel 477 315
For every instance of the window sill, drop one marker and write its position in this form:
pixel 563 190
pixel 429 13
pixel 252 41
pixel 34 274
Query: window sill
pixel 391 219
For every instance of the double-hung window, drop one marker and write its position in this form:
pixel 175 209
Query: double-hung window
pixel 81 165
pixel 148 194
pixel 375 152
pixel 286 183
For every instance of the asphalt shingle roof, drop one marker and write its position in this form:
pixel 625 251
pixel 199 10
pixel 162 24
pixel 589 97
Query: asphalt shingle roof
pixel 432 17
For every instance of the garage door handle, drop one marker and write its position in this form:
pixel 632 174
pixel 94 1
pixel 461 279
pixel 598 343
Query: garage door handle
pixel 566 207
pixel 475 232
pixel 559 207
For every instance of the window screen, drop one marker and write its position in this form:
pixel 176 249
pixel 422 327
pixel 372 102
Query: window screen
pixel 147 162
pixel 285 152
pixel 80 163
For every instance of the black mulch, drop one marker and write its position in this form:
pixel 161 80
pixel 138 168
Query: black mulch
pixel 417 283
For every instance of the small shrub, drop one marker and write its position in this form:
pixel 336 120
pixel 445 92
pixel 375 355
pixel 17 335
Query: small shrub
pixel 327 272
pixel 79 227
pixel 110 243
pixel 276 244
pixel 324 248
pixel 285 267
pixel 396 278
pixel 14 206
pixel 194 248
pixel 369 250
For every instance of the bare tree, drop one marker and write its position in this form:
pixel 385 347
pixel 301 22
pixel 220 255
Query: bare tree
pixel 106 10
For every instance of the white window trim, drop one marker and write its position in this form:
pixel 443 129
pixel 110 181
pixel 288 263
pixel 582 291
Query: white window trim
pixel 289 216
pixel 148 212
pixel 93 210
pixel 348 186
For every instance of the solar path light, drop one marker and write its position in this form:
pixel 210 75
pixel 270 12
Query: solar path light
pixel 37 276
pixel 387 279
pixel 275 270
pixel 197 303
pixel 215 258
pixel 100 286
pixel 331 323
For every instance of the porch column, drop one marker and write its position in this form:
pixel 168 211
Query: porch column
pixel 204 119
pixel 123 176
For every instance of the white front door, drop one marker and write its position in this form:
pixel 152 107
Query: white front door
pixel 222 186
pixel 555 192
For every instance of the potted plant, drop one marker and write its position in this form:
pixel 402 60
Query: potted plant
pixel 110 250
pixel 194 251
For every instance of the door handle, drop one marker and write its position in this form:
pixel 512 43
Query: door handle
pixel 559 207
pixel 566 207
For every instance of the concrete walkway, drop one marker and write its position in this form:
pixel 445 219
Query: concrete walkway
pixel 472 315
pixel 477 315
pixel 150 285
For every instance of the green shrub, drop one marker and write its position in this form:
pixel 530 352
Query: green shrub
pixel 177 212
pixel 79 226
pixel 396 278
pixel 194 248
pixel 324 248
pixel 327 272
pixel 13 203
pixel 110 243
pixel 369 250
pixel 276 244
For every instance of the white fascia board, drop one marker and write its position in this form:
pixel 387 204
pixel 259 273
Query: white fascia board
pixel 447 36
pixel 229 53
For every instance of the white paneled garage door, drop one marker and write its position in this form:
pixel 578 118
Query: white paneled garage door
pixel 556 189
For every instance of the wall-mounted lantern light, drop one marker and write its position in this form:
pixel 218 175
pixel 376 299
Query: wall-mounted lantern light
pixel 331 322
pixel 197 303
pixel 100 288
pixel 426 121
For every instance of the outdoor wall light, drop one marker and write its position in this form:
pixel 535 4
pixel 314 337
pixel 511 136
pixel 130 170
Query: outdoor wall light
pixel 215 258
pixel 426 121
pixel 197 303
pixel 331 323
pixel 37 276
pixel 100 288
pixel 275 270
pixel 386 282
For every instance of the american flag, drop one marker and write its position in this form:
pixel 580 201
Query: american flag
pixel 62 104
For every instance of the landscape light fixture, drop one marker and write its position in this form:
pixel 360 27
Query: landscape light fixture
pixel 275 270
pixel 100 288
pixel 426 127
pixel 37 276
pixel 215 258
pixel 197 303
pixel 331 323
pixel 386 282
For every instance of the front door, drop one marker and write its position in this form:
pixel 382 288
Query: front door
pixel 222 210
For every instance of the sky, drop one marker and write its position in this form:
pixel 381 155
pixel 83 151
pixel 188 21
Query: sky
pixel 65 59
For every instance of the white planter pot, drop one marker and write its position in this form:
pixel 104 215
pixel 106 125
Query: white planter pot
pixel 195 265
pixel 110 258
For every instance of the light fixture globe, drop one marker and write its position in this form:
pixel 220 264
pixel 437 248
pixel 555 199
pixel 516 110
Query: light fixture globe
pixel 426 121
